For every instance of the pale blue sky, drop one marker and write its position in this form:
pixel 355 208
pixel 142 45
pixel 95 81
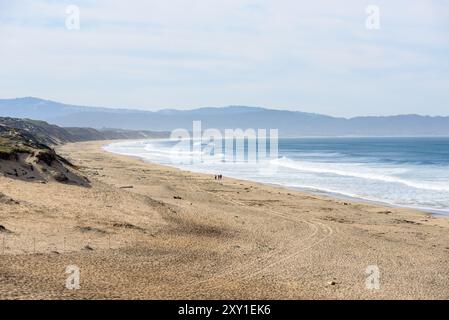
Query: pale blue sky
pixel 288 54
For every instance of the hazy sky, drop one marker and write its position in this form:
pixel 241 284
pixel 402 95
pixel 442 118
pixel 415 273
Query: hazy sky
pixel 314 56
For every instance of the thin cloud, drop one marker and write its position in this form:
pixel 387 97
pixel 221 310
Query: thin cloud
pixel 177 53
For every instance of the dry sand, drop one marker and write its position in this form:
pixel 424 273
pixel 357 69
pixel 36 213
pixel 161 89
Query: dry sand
pixel 181 235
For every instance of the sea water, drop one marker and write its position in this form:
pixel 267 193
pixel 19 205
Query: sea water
pixel 409 172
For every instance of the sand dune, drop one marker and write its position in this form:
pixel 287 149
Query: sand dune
pixel 143 231
pixel 41 167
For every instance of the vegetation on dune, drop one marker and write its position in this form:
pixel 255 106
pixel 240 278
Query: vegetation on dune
pixel 24 155
pixel 15 141
pixel 37 131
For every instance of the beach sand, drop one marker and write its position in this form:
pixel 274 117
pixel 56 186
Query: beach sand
pixel 145 231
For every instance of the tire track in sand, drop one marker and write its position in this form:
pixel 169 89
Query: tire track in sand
pixel 320 232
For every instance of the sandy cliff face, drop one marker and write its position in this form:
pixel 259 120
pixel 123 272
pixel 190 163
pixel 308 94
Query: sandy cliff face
pixel 24 157
pixel 40 166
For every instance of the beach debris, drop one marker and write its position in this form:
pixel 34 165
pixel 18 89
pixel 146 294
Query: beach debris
pixel 332 283
pixel 88 248
pixel 4 230
pixel 91 229
pixel 7 200
pixel 406 221
pixel 127 226
pixel 126 187
pixel 177 197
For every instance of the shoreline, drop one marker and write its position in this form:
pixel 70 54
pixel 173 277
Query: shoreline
pixel 313 191
pixel 147 231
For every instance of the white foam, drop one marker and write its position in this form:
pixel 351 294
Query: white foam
pixel 353 170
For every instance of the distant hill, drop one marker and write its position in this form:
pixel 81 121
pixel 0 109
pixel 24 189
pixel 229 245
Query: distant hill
pixel 289 123
pixel 40 130
pixel 49 134
pixel 88 134
pixel 26 151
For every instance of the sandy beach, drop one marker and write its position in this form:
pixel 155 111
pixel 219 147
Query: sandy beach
pixel 145 231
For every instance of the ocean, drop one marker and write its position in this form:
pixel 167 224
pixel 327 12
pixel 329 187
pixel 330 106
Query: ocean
pixel 405 172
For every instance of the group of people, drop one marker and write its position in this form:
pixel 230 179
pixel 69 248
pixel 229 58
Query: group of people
pixel 218 177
